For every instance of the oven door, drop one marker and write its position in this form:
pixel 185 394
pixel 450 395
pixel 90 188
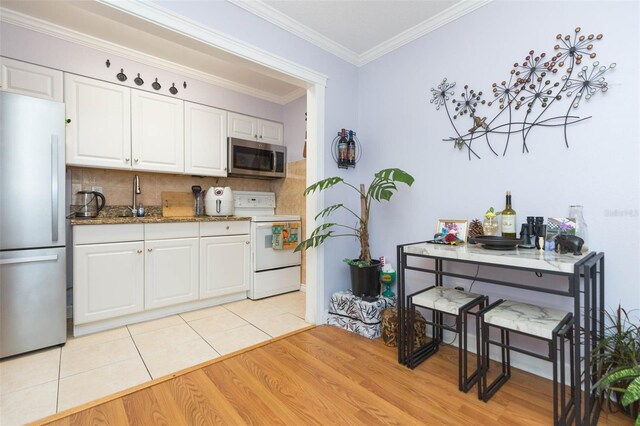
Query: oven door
pixel 265 257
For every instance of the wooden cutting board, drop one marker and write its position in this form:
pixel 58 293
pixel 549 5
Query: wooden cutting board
pixel 177 204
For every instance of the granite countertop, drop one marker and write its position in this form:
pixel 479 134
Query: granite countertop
pixel 120 215
pixel 153 219
pixel 526 258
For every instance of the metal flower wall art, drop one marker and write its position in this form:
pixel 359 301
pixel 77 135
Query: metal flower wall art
pixel 523 98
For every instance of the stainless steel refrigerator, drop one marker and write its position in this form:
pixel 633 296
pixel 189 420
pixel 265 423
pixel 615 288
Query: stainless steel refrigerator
pixel 32 224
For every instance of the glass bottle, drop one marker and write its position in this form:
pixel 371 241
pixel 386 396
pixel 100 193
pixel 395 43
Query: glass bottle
pixel 508 219
pixel 575 212
pixel 343 153
pixel 351 149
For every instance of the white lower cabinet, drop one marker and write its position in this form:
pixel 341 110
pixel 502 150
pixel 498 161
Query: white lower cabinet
pixel 170 272
pixel 224 265
pixel 108 280
pixel 124 274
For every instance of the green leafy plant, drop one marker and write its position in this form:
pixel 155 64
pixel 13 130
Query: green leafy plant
pixel 616 360
pixel 381 188
pixel 630 377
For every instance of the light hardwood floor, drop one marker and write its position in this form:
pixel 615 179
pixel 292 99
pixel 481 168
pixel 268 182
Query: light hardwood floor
pixel 325 376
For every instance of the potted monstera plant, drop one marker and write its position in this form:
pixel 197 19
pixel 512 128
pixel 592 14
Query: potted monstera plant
pixel 364 269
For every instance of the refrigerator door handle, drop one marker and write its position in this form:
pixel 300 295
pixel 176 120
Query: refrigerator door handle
pixel 29 259
pixel 54 188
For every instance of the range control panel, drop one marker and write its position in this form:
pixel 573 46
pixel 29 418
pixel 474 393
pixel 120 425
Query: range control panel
pixel 248 199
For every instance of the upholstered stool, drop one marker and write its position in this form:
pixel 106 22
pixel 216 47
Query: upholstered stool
pixel 550 325
pixel 445 301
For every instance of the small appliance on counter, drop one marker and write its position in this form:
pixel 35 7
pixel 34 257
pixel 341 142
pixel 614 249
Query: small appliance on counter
pixel 218 201
pixel 88 204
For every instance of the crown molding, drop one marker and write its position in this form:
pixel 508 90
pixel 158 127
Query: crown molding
pixel 270 14
pixel 160 16
pixel 448 15
pixel 293 95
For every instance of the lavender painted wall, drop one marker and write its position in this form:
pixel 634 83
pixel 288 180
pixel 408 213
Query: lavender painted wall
pixel 599 170
pixel 294 129
pixel 30 46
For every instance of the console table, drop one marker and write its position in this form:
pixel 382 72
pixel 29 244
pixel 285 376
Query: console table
pixel 585 285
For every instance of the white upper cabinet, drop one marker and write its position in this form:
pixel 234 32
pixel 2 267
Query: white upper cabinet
pixel 31 80
pixel 157 132
pixel 270 132
pixel 99 131
pixel 255 129
pixel 205 140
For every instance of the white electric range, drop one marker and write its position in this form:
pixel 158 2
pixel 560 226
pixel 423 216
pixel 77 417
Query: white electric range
pixel 272 271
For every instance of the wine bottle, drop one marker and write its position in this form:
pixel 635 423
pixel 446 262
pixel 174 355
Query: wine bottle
pixel 351 149
pixel 508 219
pixel 343 160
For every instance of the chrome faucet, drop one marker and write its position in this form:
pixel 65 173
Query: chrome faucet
pixel 136 190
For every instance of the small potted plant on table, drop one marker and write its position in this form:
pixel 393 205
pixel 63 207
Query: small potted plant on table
pixel 364 270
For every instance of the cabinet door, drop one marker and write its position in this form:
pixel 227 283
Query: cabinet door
pixel 243 126
pixel 108 280
pixel 99 131
pixel 170 272
pixel 31 80
pixel 224 265
pixel 157 132
pixel 270 132
pixel 205 140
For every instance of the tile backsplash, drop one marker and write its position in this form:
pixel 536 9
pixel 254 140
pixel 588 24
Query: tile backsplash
pixel 117 185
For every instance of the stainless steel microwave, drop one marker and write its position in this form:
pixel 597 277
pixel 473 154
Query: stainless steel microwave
pixel 256 159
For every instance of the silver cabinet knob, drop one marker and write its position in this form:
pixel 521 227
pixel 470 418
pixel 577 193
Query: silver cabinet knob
pixel 227 228
pixel 247 242
pixel 139 251
pixel 135 159
pixel 126 160
pixel 255 136
pixel 260 136
pixel 149 250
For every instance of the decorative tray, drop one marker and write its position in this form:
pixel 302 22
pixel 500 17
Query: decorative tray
pixel 498 243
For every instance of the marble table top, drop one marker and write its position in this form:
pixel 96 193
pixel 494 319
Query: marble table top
pixel 523 258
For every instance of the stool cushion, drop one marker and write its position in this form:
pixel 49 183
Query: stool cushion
pixel 530 319
pixel 444 299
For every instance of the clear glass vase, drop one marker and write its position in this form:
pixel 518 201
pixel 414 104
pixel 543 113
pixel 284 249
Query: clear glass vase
pixel 490 226
pixel 575 212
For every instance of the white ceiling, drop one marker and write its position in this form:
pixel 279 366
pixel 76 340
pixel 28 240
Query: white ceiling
pixel 357 31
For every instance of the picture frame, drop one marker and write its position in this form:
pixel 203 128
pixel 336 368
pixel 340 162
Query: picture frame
pixel 456 227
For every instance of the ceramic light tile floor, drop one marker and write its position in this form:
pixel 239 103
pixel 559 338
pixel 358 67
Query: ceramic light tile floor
pixel 42 383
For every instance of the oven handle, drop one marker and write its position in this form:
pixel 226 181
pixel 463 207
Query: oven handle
pixel 270 224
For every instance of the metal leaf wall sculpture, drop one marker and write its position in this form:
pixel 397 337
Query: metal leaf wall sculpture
pixel 531 88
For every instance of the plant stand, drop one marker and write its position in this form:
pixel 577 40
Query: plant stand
pixel 359 316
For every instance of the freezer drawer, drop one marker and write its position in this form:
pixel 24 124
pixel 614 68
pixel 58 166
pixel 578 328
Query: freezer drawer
pixel 32 300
